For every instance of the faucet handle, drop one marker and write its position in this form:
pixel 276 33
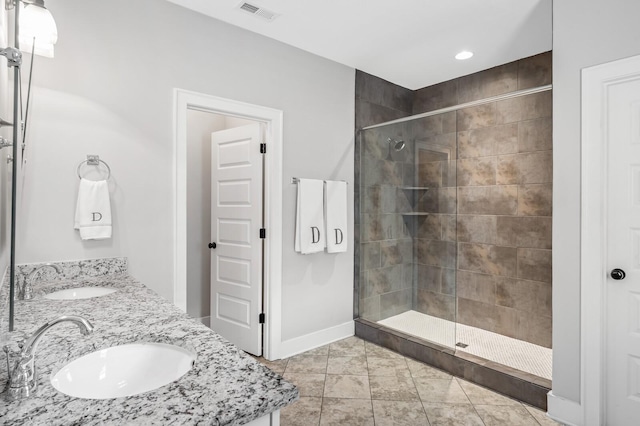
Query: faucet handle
pixel 27 293
pixel 7 351
pixel 23 381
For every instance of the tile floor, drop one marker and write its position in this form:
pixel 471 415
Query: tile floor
pixel 352 382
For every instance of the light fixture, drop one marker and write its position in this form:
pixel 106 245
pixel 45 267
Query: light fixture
pixel 37 24
pixel 465 54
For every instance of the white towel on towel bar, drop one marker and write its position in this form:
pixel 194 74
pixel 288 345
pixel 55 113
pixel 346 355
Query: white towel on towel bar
pixel 335 213
pixel 93 210
pixel 310 236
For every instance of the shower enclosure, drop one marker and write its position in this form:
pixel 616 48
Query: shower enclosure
pixel 449 234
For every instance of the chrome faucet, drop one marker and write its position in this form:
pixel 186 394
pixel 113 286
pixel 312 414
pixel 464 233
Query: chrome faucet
pixel 23 379
pixel 27 290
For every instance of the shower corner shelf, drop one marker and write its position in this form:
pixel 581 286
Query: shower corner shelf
pixel 414 188
pixel 414 194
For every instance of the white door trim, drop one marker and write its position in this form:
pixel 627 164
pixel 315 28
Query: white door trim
pixel 596 82
pixel 273 118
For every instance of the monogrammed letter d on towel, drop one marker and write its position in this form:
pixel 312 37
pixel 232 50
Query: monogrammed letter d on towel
pixel 335 206
pixel 310 234
pixel 93 210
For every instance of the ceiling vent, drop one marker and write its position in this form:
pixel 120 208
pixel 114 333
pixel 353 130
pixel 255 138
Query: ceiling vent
pixel 267 15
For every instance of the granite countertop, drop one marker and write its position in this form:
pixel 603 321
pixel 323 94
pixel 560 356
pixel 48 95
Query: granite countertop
pixel 225 387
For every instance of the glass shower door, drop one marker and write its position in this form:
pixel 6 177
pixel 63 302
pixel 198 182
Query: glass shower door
pixel 408 227
pixel 435 250
pixel 386 245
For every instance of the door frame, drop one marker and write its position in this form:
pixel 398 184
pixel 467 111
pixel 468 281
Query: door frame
pixel 273 120
pixel 596 82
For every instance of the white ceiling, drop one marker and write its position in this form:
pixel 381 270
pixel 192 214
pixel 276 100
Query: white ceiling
pixel 408 42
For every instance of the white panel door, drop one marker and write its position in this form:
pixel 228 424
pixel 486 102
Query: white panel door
pixel 236 219
pixel 622 378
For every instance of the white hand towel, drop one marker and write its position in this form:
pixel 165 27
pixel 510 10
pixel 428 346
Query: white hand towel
pixel 335 207
pixel 310 236
pixel 93 210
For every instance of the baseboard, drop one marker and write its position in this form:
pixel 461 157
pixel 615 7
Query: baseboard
pixel 205 320
pixel 563 410
pixel 316 339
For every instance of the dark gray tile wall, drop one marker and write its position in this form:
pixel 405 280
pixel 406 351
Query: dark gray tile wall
pixel 378 100
pixel 386 273
pixel 383 246
pixel 504 180
pixel 526 73
pixel 435 246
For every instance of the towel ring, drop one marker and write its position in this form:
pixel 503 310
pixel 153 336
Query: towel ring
pixel 93 160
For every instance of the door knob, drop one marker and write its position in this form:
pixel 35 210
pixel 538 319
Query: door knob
pixel 618 274
pixel 212 245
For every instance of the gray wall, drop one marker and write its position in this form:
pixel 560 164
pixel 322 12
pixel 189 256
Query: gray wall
pixel 109 92
pixel 584 34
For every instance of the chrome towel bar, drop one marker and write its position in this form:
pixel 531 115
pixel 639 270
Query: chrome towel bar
pixel 296 180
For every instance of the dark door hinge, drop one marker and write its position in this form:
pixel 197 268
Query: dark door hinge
pixel 261 318
pixel 263 148
pixel 263 233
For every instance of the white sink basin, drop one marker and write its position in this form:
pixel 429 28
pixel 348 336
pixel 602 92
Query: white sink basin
pixel 79 293
pixel 123 370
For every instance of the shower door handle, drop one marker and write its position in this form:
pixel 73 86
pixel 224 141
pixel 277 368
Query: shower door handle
pixel 618 274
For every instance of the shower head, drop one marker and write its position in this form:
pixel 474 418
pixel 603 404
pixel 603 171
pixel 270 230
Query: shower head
pixel 398 145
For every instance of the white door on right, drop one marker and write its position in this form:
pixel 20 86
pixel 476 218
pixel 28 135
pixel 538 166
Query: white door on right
pixel 623 254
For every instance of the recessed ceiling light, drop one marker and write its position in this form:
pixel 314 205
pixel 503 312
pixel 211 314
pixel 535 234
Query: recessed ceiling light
pixel 465 54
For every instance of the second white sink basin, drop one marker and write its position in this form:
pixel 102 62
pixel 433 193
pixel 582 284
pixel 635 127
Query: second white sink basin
pixel 79 293
pixel 123 370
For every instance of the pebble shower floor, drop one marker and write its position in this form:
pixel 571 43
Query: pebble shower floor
pixel 518 354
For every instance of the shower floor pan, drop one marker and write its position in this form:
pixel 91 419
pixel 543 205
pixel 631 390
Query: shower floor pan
pixel 514 353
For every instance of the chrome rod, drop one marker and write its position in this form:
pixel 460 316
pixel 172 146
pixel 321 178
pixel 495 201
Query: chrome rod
pixel 297 180
pixel 14 171
pixel 465 105
pixel 26 113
